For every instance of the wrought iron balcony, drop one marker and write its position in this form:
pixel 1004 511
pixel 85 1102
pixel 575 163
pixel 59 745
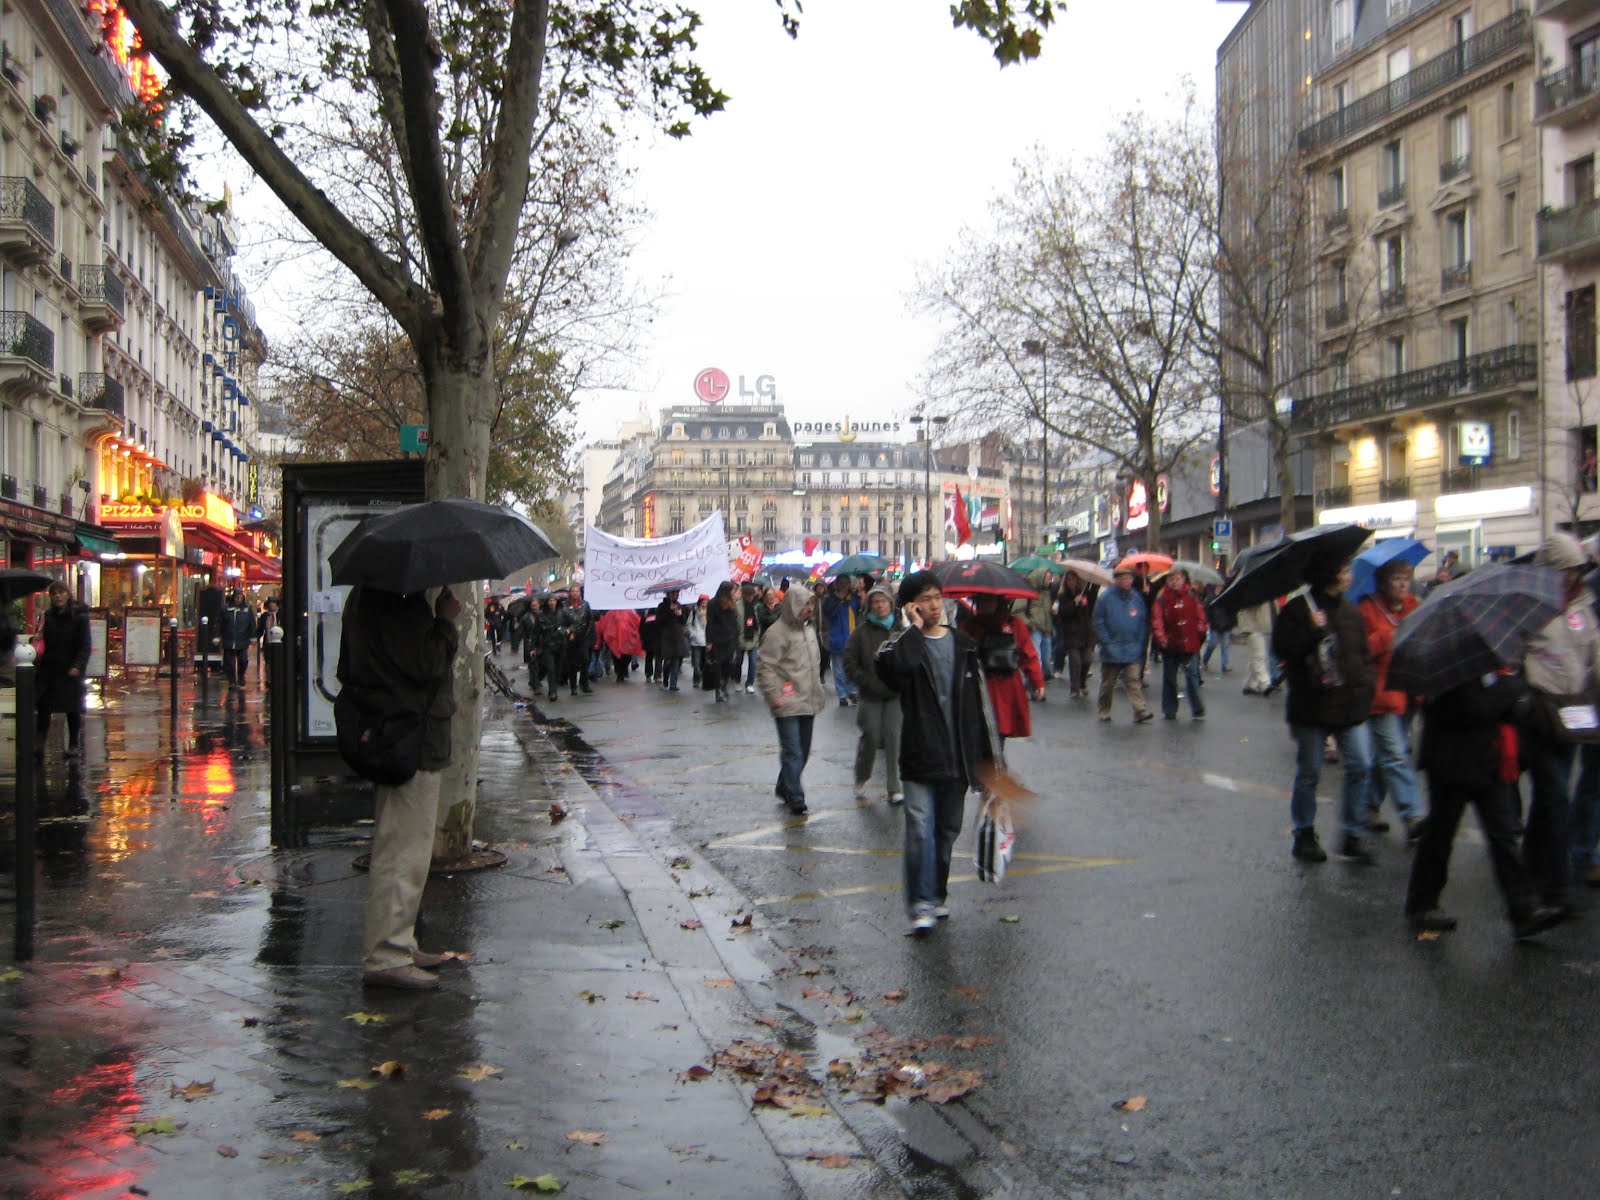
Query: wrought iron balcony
pixel 1503 37
pixel 103 297
pixel 27 222
pixel 1392 297
pixel 1562 96
pixel 1493 370
pixel 1458 276
pixel 1333 497
pixel 1459 479
pixel 23 335
pixel 66 504
pixel 1392 195
pixel 41 496
pixel 1569 232
pixel 8 487
pixel 99 390
pixel 1336 222
pixel 1336 315
pixel 1455 168
pixel 1395 489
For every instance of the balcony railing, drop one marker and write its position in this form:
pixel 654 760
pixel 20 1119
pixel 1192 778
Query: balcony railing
pixel 1562 88
pixel 20 199
pixel 1459 479
pixel 41 496
pixel 1333 497
pixel 64 384
pixel 1432 76
pixel 1336 314
pixel 66 504
pixel 1336 222
pixel 1392 195
pixel 1392 297
pixel 23 335
pixel 99 390
pixel 1458 276
pixel 1455 168
pixel 8 487
pixel 100 284
pixel 1490 371
pixel 1395 489
pixel 1561 229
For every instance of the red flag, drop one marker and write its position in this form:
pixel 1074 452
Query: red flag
pixel 811 546
pixel 963 526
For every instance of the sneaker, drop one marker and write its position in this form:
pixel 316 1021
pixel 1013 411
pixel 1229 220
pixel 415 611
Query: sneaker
pixel 798 810
pixel 1142 718
pixel 941 913
pixel 749 690
pixel 897 798
pixel 843 703
pixel 1201 715
pixel 1414 830
pixel 1432 921
pixel 1535 922
pixel 922 924
pixel 1353 849
pixel 1307 848
pixel 1105 717
pixel 861 791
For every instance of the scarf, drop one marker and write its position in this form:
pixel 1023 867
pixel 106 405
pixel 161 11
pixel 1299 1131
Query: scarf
pixel 881 622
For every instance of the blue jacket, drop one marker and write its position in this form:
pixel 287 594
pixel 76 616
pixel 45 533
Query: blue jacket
pixel 1120 623
pixel 841 617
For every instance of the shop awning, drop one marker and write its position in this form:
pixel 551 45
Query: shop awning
pixel 259 566
pixel 95 544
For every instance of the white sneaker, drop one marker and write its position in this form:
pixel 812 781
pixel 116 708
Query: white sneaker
pixel 923 924
pixel 749 691
pixel 897 798
pixel 861 791
pixel 941 913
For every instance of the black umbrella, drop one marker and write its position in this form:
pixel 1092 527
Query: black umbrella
pixel 438 542
pixel 668 585
pixel 15 582
pixel 1280 567
pixel 1472 626
pixel 977 577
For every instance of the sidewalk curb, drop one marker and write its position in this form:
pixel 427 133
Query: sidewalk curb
pixel 952 1151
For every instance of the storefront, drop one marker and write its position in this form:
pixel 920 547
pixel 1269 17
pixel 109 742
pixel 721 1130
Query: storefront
pixel 1482 526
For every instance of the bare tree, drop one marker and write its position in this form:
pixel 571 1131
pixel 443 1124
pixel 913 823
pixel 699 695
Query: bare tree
pixel 1107 266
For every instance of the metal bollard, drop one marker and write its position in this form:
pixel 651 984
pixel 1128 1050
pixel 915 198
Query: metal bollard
pixel 280 713
pixel 27 802
pixel 172 646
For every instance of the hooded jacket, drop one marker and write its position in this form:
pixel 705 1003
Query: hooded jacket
pixel 1178 621
pixel 930 752
pixel 1563 658
pixel 396 646
pixel 789 672
pixel 861 651
pixel 1040 579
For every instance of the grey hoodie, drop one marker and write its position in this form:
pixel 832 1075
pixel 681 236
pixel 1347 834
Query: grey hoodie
pixel 789 672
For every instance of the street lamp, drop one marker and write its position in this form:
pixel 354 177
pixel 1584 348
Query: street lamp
pixel 925 436
pixel 1037 349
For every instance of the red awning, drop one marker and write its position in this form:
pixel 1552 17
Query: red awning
pixel 258 567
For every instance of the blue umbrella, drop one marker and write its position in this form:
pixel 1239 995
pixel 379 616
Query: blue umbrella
pixel 1364 567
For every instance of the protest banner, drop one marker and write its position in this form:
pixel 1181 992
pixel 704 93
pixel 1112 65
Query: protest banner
pixel 621 572
pixel 747 563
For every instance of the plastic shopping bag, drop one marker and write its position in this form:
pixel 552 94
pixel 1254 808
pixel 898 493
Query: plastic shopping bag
pixel 997 838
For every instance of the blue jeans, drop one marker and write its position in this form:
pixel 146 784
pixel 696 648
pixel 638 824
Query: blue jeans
pixel 794 748
pixel 669 673
pixel 1043 645
pixel 751 657
pixel 1215 640
pixel 1171 664
pixel 841 681
pixel 1391 768
pixel 1355 749
pixel 934 812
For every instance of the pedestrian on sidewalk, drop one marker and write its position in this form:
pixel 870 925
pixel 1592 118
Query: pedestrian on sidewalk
pixel 578 621
pixel 878 713
pixel 393 646
pixel 946 740
pixel 238 631
pixel 1392 774
pixel 1011 667
pixel 64 657
pixel 1075 630
pixel 618 631
pixel 650 639
pixel 672 633
pixel 547 646
pixel 266 622
pixel 1331 682
pixel 1041 621
pixel 841 611
pixel 722 640
pixel 750 631
pixel 1256 624
pixel 791 683
pixel 697 637
pixel 1121 627
pixel 1216 639
pixel 1178 626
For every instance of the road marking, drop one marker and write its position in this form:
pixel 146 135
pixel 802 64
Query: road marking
pixel 733 840
pixel 864 889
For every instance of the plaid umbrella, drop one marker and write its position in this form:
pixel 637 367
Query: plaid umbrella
pixel 1472 626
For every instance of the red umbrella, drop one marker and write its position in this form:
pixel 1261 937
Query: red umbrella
pixel 1153 563
pixel 978 577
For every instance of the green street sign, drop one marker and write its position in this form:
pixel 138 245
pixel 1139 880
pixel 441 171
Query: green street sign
pixel 414 439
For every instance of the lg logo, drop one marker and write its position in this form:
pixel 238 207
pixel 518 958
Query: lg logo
pixel 712 386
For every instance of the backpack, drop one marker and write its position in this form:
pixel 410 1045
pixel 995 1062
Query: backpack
pixel 998 653
pixel 377 740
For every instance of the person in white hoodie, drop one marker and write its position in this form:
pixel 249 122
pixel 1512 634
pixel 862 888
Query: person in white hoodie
pixel 789 675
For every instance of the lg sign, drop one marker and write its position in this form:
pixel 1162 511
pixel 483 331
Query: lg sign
pixel 712 386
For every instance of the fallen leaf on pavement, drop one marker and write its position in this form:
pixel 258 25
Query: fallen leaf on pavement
pixel 691 923
pixel 360 1085
pixel 769 1022
pixel 725 981
pixel 104 973
pixel 159 1125
pixel 304 1135
pixel 1131 1104
pixel 957 1084
pixel 480 1072
pixel 743 923
pixel 833 1161
pixel 591 997
pixel 968 992
pixel 558 812
pixel 411 1175
pixel 1428 935
pixel 894 996
pixel 195 1090
pixel 681 863
pixel 853 1014
pixel 972 1041
pixel 366 1018
pixel 613 923
pixel 389 1069
pixel 808 1110
pixel 641 996
pixel 8 975
pixel 547 1185
pixel 355 1185
pixel 701 894
pixel 1010 919
pixel 586 1137
pixel 694 1074
pixel 516 1145
pixel 457 955
pixel 227 1152
pixel 436 1114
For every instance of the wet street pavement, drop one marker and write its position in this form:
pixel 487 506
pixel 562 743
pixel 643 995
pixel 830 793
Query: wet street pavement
pixel 677 990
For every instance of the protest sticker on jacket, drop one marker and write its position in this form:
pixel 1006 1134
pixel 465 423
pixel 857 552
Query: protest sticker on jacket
pixel 622 572
pixel 748 561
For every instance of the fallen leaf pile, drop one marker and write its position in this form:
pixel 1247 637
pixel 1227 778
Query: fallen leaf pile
pixel 895 1066
pixel 558 812
pixel 780 1076
pixel 194 1091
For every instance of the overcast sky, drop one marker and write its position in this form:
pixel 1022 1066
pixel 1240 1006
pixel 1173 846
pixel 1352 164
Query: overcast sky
pixel 787 230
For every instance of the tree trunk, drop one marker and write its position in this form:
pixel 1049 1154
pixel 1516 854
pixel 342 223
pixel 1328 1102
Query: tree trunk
pixel 1284 462
pixel 459 410
pixel 1152 507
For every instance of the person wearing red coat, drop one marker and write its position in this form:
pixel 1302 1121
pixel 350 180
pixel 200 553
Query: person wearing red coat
pixel 619 631
pixel 1010 663
pixel 1381 614
pixel 1178 627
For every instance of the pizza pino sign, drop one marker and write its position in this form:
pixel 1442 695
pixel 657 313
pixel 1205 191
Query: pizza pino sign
pixel 211 510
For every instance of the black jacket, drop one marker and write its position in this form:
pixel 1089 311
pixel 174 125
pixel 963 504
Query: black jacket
pixel 1076 620
pixel 860 658
pixel 928 751
pixel 672 630
pixel 66 646
pixel 396 646
pixel 1295 639
pixel 722 634
pixel 1460 738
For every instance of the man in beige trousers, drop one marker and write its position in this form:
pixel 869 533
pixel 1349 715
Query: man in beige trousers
pixel 395 646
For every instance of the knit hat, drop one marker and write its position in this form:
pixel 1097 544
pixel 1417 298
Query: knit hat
pixel 1561 550
pixel 880 589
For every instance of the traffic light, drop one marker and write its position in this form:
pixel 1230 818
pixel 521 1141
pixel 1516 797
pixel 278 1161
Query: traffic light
pixel 1215 545
pixel 1061 541
pixel 550 578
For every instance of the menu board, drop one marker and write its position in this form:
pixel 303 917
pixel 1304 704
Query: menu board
pixel 97 644
pixel 141 637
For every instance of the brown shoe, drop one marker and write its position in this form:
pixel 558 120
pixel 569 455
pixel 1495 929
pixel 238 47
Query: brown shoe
pixel 431 962
pixel 407 978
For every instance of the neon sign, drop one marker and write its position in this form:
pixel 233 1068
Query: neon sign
pixel 127 51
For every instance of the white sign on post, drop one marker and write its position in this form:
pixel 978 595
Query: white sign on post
pixel 621 572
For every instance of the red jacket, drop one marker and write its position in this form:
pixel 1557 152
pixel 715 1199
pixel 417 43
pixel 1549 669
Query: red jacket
pixel 1380 622
pixel 1178 621
pixel 1008 694
pixel 619 630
